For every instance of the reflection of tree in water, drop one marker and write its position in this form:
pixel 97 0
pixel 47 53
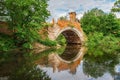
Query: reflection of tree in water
pixel 28 72
pixel 97 66
pixel 21 67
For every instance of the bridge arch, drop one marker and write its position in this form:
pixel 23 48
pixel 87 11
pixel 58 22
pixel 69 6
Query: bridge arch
pixel 72 35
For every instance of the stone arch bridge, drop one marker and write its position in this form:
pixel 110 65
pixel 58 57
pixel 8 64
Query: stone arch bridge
pixel 71 29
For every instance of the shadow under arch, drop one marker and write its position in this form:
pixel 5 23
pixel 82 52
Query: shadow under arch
pixel 72 35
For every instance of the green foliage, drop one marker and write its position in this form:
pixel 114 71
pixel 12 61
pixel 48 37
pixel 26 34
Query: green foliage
pixel 48 42
pixel 103 31
pixel 97 20
pixel 26 18
pixel 6 43
pixel 2 8
pixel 3 16
pixel 61 40
pixel 99 44
pixel 116 7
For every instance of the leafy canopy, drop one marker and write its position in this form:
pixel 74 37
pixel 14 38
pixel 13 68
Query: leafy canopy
pixel 103 31
pixel 25 19
pixel 116 7
pixel 96 20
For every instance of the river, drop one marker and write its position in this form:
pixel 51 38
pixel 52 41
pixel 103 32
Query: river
pixel 67 63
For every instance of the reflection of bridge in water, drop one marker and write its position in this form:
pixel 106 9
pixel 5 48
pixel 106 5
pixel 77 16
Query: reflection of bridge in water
pixel 68 60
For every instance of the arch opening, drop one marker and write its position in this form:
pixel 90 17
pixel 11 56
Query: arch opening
pixel 71 37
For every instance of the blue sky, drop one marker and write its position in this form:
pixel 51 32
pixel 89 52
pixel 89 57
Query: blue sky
pixel 62 7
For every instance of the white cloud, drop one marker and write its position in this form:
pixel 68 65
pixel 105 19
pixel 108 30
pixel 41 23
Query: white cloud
pixel 79 16
pixel 118 15
pixel 60 7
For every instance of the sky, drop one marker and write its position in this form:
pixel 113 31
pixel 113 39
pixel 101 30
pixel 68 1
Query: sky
pixel 60 8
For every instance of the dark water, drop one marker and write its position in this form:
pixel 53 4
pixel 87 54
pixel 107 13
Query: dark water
pixel 70 63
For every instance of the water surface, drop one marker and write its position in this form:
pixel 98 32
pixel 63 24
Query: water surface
pixel 71 63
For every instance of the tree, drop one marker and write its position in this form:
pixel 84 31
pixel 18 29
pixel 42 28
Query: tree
pixel 2 11
pixel 2 8
pixel 26 18
pixel 96 20
pixel 90 21
pixel 103 31
pixel 116 7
